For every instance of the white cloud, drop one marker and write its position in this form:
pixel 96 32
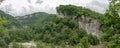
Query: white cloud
pixel 23 7
pixel 97 6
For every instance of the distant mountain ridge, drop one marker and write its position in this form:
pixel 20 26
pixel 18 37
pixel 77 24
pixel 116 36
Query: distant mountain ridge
pixel 28 20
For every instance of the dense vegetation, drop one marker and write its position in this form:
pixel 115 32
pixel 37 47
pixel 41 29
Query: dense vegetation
pixel 12 21
pixel 29 20
pixel 51 31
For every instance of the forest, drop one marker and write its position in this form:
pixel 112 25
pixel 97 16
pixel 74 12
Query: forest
pixel 62 30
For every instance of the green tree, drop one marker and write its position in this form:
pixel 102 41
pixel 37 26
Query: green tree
pixel 115 42
pixel 3 33
pixel 93 39
pixel 85 43
pixel 114 7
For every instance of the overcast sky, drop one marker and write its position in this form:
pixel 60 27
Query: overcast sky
pixel 23 7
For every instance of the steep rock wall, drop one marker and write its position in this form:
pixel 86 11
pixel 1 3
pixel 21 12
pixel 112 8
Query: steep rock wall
pixel 90 25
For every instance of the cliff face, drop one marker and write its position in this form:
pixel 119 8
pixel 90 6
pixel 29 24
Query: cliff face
pixel 90 25
pixel 61 15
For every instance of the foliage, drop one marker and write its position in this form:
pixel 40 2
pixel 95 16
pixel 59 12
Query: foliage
pixel 15 45
pixel 12 20
pixel 112 21
pixel 115 42
pixel 3 33
pixel 93 40
pixel 54 31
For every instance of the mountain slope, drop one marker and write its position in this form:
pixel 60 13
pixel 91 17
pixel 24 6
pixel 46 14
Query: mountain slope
pixel 11 20
pixel 31 19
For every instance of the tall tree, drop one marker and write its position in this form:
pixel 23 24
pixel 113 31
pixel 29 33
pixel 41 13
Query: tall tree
pixel 114 8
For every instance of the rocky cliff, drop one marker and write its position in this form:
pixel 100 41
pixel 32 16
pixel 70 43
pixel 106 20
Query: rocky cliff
pixel 90 25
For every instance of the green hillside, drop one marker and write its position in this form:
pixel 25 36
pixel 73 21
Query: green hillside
pixel 29 20
pixel 70 28
pixel 12 20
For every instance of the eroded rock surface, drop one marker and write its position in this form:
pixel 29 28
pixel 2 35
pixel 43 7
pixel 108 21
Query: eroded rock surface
pixel 90 25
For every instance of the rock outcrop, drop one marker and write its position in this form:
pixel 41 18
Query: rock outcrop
pixel 90 25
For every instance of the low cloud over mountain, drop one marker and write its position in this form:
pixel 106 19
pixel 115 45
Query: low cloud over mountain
pixel 23 7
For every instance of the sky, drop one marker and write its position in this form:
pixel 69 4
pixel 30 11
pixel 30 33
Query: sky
pixel 24 7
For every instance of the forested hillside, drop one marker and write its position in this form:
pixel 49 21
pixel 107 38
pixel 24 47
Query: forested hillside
pixel 72 27
pixel 29 20
pixel 12 20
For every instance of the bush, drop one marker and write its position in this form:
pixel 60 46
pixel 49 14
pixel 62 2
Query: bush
pixel 93 39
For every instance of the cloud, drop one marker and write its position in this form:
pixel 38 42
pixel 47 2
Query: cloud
pixel 97 6
pixel 39 1
pixel 23 7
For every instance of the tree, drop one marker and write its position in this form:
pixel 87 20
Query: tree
pixel 3 33
pixel 93 39
pixel 115 42
pixel 85 43
pixel 114 7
